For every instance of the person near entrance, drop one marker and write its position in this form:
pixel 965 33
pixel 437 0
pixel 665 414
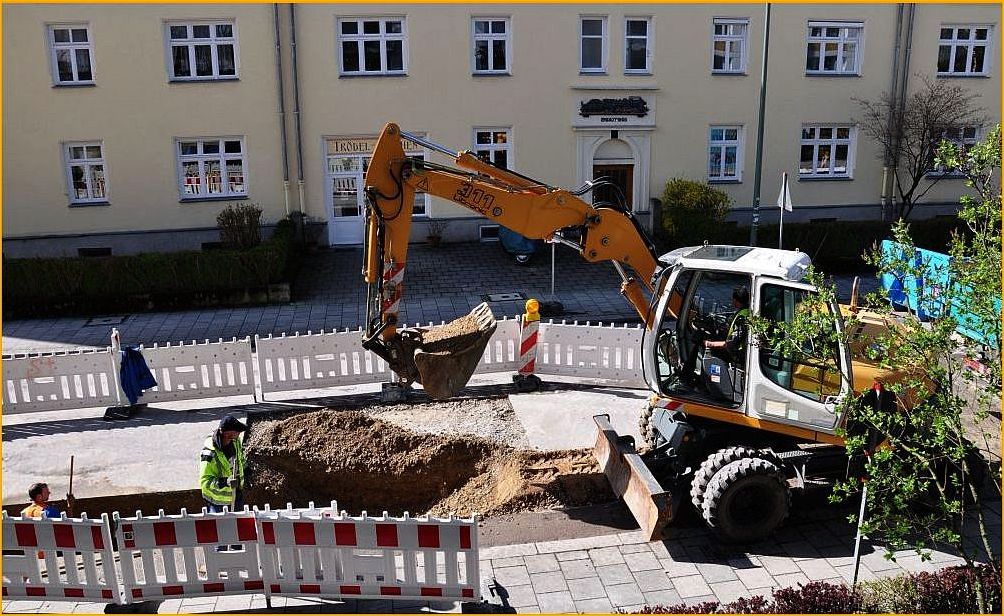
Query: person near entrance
pixel 733 348
pixel 221 466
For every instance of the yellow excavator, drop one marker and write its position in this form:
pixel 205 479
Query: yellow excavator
pixel 738 428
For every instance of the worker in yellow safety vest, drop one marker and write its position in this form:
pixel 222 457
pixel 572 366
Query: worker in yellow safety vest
pixel 221 466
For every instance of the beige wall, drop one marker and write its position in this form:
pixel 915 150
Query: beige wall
pixel 137 113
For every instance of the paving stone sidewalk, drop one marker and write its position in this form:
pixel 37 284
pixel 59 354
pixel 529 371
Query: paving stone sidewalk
pixel 441 284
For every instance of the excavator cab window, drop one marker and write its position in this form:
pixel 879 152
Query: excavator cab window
pixel 701 308
pixel 815 373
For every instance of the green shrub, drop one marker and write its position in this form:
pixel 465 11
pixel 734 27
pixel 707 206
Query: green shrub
pixel 240 225
pixel 35 287
pixel 692 211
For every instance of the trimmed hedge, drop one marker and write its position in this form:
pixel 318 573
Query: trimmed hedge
pixel 833 246
pixel 56 286
pixel 949 591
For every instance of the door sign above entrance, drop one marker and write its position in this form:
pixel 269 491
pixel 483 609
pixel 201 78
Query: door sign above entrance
pixel 364 145
pixel 623 112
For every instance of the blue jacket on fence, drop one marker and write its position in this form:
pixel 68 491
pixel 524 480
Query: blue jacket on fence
pixel 134 374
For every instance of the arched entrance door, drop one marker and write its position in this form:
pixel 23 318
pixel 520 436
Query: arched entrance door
pixel 614 162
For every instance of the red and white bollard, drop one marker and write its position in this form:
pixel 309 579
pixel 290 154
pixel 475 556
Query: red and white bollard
pixel 525 379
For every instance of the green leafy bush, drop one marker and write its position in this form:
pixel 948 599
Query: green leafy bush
pixel 43 286
pixel 692 211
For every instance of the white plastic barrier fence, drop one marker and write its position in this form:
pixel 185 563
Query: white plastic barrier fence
pixel 611 353
pixel 332 359
pixel 179 555
pixel 67 558
pixel 186 371
pixel 328 553
pixel 51 382
pixel 199 370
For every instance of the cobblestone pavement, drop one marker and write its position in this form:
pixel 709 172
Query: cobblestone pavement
pixel 441 284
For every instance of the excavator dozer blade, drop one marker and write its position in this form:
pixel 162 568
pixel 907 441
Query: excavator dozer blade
pixel 449 354
pixel 630 479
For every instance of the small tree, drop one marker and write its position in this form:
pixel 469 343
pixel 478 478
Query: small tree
pixel 909 134
pixel 919 444
pixel 692 210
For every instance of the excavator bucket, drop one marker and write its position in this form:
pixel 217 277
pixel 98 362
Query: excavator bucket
pixel 447 355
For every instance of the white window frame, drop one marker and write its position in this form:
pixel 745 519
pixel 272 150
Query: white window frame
pixel 214 41
pixel 383 37
pixel 360 163
pixel 221 157
pixel 73 46
pixel 604 43
pixel 730 40
pixel 833 141
pixel 490 37
pixel 648 45
pixel 970 44
pixel 965 142
pixel 86 162
pixel 493 147
pixel 721 145
pixel 841 40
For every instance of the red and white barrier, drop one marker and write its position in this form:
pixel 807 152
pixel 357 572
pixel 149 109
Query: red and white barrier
pixel 66 558
pixel 176 555
pixel 326 552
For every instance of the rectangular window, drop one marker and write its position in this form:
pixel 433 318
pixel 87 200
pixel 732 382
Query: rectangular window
pixel 964 50
pixel 827 151
pixel 494 145
pixel 201 51
pixel 492 47
pixel 347 175
pixel 373 46
pixel 725 149
pixel 72 54
pixel 833 48
pixel 964 137
pixel 85 172
pixel 637 45
pixel 212 167
pixel 728 45
pixel 593 44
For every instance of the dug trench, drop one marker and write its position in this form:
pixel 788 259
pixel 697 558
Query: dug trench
pixel 461 456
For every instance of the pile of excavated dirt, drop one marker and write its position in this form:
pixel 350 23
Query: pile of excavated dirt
pixel 439 458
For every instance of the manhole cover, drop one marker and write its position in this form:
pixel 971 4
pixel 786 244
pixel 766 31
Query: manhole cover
pixel 112 320
pixel 503 297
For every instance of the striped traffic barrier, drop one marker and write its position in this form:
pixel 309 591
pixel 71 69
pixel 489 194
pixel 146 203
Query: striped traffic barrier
pixel 525 379
pixel 328 553
pixel 188 555
pixel 64 558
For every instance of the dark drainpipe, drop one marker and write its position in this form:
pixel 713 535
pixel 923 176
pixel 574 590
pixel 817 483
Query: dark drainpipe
pixel 282 109
pixel 296 106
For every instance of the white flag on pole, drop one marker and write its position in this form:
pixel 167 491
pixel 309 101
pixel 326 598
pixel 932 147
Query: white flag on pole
pixel 784 197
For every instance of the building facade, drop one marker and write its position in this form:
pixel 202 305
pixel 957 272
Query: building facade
pixel 128 128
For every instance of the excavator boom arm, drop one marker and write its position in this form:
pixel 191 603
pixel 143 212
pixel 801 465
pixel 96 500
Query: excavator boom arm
pixel 514 201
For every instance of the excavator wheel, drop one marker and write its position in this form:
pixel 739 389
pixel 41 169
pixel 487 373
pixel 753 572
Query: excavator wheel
pixel 747 500
pixel 716 462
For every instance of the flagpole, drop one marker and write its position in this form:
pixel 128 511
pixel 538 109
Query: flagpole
pixel 780 227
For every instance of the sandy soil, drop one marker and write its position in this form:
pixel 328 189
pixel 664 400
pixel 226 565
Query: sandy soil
pixel 459 457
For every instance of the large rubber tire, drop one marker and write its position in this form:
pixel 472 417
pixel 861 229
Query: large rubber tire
pixel 747 500
pixel 716 462
pixel 710 467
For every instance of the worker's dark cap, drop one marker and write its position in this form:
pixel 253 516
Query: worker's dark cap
pixel 230 423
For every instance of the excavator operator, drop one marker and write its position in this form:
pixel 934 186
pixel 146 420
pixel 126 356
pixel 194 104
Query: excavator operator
pixel 733 348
